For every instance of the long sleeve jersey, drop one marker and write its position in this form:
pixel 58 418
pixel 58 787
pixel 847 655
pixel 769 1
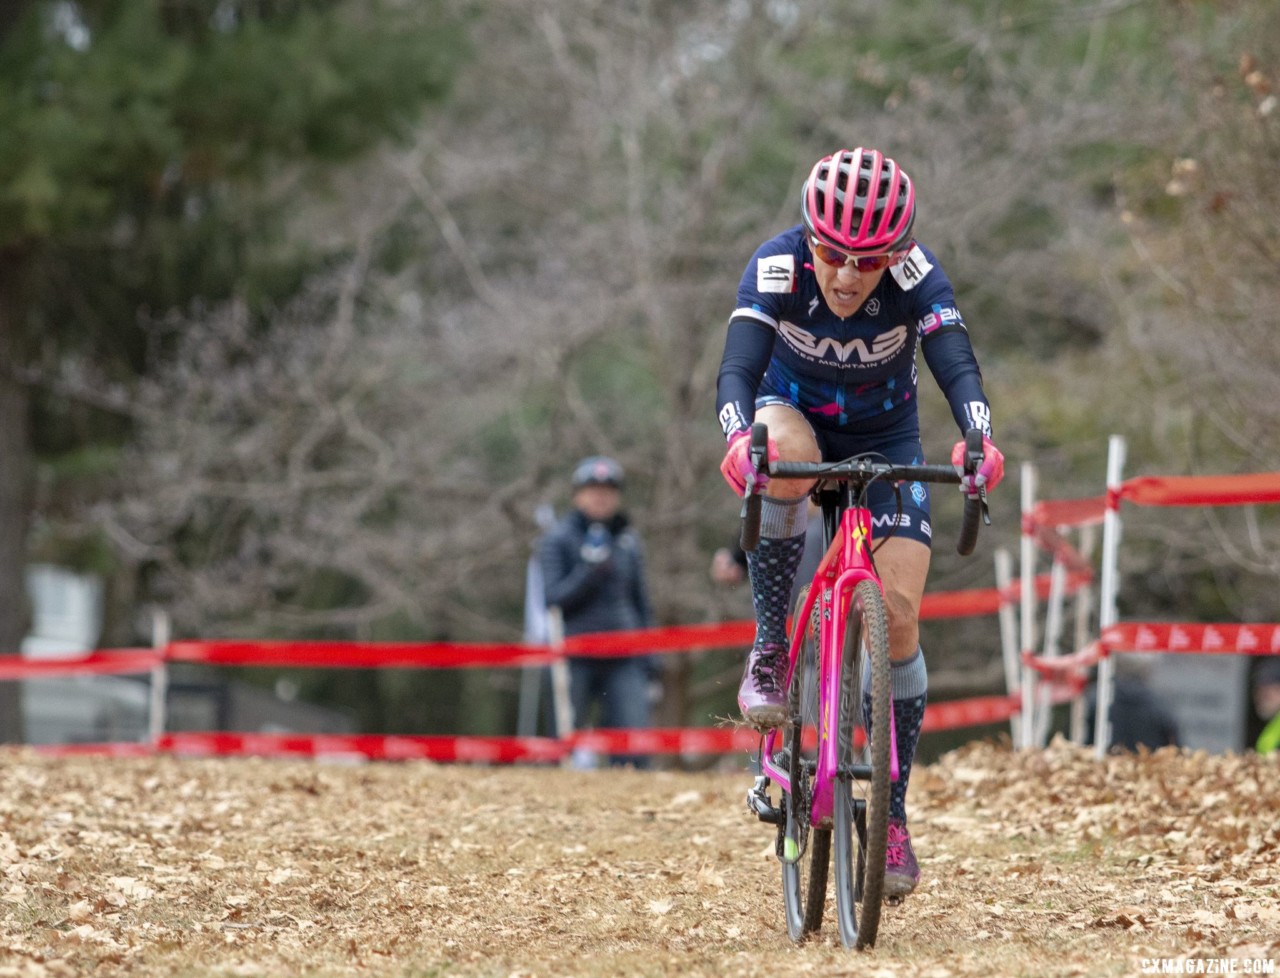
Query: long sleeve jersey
pixel 857 373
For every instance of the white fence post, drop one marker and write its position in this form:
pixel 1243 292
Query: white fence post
pixel 1107 612
pixel 1052 636
pixel 158 715
pixel 560 698
pixel 1028 613
pixel 1084 610
pixel 1008 617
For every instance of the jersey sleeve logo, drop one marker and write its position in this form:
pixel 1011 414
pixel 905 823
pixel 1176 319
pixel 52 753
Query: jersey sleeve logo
pixel 911 271
pixel 937 317
pixel 776 273
pixel 731 419
pixel 978 414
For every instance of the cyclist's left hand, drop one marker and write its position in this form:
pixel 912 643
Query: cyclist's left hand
pixel 736 467
pixel 989 473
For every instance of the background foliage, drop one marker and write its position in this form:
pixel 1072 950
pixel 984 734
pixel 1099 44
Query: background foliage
pixel 348 391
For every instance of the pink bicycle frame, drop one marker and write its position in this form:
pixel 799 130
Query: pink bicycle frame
pixel 846 563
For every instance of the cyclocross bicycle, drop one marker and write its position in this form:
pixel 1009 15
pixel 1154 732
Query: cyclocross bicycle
pixel 833 770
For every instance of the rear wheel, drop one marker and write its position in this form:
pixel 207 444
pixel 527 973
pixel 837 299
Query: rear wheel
pixel 861 817
pixel 805 851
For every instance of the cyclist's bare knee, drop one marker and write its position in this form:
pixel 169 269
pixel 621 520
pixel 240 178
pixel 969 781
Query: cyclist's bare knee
pixel 904 565
pixel 904 624
pixel 796 443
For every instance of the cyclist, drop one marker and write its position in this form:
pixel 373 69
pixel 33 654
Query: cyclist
pixel 821 347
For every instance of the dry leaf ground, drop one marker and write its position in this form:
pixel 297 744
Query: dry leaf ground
pixel 1036 863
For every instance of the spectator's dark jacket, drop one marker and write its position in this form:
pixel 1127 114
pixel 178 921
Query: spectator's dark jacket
pixel 603 597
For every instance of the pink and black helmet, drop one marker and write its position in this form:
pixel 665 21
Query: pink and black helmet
pixel 859 200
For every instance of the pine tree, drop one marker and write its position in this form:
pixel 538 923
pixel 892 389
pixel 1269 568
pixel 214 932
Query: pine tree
pixel 137 138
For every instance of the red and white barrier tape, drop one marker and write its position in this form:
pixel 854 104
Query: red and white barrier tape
pixel 1199 490
pixel 688 741
pixel 1244 638
pixel 1065 665
pixel 103 662
pixel 1194 638
pixel 358 655
pixel 451 655
pixel 1189 490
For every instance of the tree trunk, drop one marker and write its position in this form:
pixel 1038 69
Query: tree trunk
pixel 15 464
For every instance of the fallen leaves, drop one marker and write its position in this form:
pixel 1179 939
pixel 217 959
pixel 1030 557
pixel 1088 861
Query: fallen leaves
pixel 1035 863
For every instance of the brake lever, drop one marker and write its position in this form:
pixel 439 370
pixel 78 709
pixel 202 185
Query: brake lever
pixel 974 457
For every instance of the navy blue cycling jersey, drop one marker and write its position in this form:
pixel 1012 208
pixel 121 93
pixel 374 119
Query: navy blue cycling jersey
pixel 857 373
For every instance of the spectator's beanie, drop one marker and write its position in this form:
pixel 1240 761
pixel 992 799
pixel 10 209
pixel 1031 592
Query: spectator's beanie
pixel 598 470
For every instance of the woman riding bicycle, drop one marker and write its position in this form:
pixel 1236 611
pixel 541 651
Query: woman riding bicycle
pixel 821 348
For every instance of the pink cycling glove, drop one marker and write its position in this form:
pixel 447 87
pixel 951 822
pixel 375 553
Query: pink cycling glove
pixel 989 473
pixel 736 467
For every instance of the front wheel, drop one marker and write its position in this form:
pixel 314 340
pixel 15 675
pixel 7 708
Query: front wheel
pixel 861 822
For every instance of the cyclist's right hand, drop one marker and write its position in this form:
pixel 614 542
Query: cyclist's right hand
pixel 989 473
pixel 736 467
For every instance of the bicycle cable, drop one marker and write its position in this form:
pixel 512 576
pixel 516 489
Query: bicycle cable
pixel 864 490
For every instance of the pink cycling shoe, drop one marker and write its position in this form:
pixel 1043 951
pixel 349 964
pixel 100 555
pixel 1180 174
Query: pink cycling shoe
pixel 901 871
pixel 761 697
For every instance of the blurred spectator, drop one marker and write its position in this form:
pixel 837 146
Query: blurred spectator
pixel 1138 718
pixel 593 570
pixel 729 564
pixel 1266 703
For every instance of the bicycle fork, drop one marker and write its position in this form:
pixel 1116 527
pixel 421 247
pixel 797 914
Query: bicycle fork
pixel 831 646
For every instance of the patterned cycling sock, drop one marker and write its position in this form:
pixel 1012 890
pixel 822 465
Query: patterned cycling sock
pixel 910 685
pixel 773 565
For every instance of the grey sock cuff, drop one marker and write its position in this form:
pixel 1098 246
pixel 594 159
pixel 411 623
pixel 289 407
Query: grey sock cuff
pixel 910 677
pixel 782 519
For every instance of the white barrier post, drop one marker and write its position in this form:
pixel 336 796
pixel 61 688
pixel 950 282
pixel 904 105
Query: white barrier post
pixel 1008 617
pixel 560 698
pixel 1052 636
pixel 1084 609
pixel 1028 615
pixel 1107 613
pixel 158 714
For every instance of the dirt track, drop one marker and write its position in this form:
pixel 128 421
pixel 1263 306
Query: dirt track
pixel 1035 864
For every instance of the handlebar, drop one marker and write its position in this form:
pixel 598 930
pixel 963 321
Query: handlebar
pixel 976 505
pixel 759 455
pixel 863 471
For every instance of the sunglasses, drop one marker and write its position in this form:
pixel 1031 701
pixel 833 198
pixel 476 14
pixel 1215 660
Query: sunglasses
pixel 863 263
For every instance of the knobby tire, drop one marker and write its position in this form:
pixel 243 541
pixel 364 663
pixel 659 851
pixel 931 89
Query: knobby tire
pixel 860 849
